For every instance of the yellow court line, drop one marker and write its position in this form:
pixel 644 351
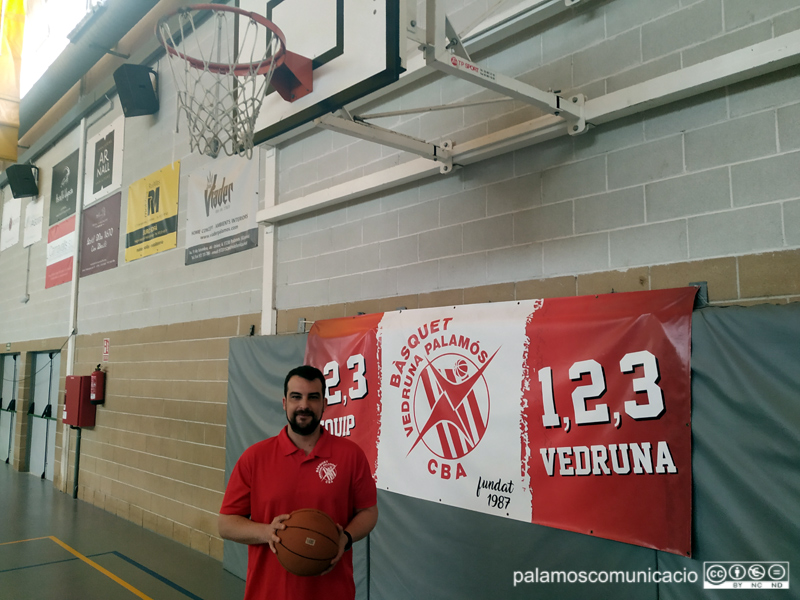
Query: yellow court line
pixel 105 572
pixel 20 541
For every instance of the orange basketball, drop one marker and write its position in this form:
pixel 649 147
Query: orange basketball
pixel 309 543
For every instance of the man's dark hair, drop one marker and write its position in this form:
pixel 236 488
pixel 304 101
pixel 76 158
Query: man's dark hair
pixel 308 373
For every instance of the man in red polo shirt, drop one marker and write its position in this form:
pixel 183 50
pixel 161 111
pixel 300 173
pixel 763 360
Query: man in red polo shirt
pixel 304 466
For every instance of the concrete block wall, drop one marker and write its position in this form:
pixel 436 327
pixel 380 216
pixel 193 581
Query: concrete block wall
pixel 745 280
pixel 160 289
pixel 706 178
pixel 155 290
pixel 46 314
pixel 156 456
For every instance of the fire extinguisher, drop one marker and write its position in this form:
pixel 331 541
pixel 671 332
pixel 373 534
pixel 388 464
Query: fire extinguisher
pixel 97 386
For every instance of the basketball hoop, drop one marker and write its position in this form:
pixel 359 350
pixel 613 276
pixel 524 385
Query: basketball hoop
pixel 220 95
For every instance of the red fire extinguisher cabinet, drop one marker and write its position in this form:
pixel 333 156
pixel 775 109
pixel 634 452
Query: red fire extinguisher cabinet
pixel 78 408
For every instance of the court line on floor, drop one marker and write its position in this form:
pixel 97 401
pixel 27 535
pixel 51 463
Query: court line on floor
pixel 104 571
pixel 161 578
pixel 20 541
pixel 45 564
pixel 79 556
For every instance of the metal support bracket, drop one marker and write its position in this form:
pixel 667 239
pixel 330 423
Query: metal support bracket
pixel 342 122
pixel 440 55
pixel 576 126
pixel 454 44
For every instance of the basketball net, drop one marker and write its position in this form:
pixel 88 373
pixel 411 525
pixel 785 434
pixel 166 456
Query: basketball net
pixel 220 84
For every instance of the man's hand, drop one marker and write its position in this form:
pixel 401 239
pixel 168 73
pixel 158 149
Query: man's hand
pixel 276 525
pixel 241 529
pixel 342 544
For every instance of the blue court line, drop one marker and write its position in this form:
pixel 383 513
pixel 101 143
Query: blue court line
pixel 139 566
pixel 54 562
pixel 152 573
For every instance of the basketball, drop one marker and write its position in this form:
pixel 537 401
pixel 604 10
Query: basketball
pixel 309 543
pixel 461 369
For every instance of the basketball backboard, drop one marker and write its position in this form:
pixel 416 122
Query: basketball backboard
pixel 357 47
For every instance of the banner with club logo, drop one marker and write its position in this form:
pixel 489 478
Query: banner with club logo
pixel 152 225
pixel 568 412
pixel 223 201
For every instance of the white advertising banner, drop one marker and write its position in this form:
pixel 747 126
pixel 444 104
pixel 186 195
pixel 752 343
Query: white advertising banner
pixel 223 201
pixel 11 215
pixel 34 217
pixel 104 162
pixel 60 253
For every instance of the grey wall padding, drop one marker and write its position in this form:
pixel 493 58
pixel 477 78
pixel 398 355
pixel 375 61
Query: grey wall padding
pixel 256 369
pixel 746 440
pixel 745 457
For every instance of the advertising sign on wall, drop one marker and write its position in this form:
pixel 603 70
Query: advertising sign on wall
pixel 100 236
pixel 223 200
pixel 9 235
pixel 34 217
pixel 104 162
pixel 153 213
pixel 568 412
pixel 64 191
pixel 60 253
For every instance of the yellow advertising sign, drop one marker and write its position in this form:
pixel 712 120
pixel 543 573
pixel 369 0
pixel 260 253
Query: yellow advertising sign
pixel 12 24
pixel 153 213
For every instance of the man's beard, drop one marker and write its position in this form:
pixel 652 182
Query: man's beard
pixel 308 429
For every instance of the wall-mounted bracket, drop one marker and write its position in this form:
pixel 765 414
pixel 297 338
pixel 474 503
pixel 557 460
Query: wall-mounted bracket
pixel 440 55
pixel 575 126
pixel 342 122
pixel 454 44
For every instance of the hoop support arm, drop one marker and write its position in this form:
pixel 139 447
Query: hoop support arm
pixel 439 56
pixel 441 153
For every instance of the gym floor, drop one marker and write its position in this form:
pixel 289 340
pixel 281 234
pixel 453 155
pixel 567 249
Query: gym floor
pixel 55 548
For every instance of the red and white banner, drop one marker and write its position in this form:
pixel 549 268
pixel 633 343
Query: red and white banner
pixel 568 412
pixel 60 253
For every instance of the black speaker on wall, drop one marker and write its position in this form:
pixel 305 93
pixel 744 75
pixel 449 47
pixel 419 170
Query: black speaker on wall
pixel 136 87
pixel 23 180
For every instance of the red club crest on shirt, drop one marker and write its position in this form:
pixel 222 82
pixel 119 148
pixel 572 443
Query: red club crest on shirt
pixel 326 471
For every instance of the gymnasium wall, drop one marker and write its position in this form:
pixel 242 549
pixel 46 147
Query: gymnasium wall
pixel 702 190
pixel 46 314
pixel 157 454
pixel 684 191
pixel 156 290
